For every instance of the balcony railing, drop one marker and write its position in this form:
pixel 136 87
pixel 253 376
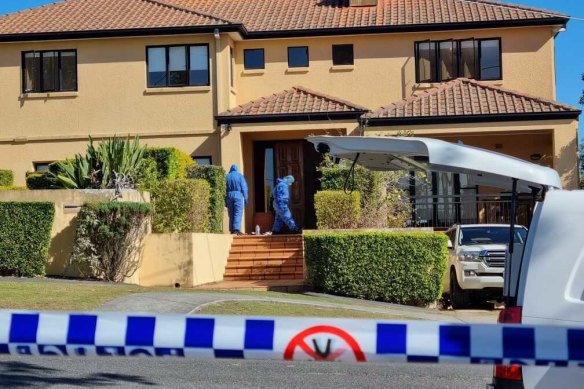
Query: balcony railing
pixel 445 211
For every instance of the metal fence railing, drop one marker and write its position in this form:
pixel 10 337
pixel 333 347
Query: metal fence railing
pixel 445 211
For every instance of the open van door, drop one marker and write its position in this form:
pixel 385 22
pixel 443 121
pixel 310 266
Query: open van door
pixel 432 155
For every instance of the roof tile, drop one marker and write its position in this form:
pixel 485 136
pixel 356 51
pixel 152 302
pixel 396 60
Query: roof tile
pixel 464 97
pixel 296 100
pixel 258 15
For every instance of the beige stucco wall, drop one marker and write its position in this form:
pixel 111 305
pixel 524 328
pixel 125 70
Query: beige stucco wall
pixel 187 259
pixel 112 99
pixel 384 70
pixel 67 203
pixel 556 141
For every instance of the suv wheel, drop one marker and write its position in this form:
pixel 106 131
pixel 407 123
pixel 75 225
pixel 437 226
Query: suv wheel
pixel 459 298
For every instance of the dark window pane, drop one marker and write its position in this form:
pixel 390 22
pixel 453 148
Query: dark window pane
pixel 177 66
pixel 49 70
pixel 41 167
pixel 199 62
pixel 254 59
pixel 32 75
pixel 203 161
pixel 298 57
pixel 427 62
pixel 447 60
pixel 68 74
pixel 157 67
pixel 490 60
pixel 468 54
pixel 343 55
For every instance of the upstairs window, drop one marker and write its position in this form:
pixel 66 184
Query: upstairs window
pixel 298 57
pixel 49 71
pixel 254 59
pixel 175 66
pixel 471 58
pixel 343 55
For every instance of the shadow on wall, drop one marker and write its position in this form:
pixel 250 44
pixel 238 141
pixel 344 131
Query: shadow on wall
pixel 568 165
pixel 60 251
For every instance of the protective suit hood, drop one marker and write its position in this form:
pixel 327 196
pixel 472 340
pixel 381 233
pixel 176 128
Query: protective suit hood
pixel 234 168
pixel 289 180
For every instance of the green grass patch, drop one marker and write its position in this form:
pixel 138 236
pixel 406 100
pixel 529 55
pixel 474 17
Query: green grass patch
pixel 257 308
pixel 61 296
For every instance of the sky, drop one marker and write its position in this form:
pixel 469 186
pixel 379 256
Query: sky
pixel 569 45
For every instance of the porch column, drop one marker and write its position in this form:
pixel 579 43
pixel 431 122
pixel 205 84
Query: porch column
pixel 566 154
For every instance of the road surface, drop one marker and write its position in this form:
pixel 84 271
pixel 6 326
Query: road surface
pixel 45 372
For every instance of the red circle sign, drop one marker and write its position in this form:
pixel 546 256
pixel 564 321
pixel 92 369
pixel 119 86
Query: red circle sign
pixel 318 355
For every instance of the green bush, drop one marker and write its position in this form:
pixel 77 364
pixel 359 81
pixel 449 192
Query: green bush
pixel 366 182
pixel 185 162
pixel 13 188
pixel 108 238
pixel 215 176
pixel 337 210
pixel 6 178
pixel 402 268
pixel 38 181
pixel 25 236
pixel 181 206
pixel 147 175
pixel 167 161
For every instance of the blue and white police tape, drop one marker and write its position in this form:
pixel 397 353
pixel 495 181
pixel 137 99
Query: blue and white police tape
pixel 111 334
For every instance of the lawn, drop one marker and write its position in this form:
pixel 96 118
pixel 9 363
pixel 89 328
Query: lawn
pixel 256 308
pixel 60 296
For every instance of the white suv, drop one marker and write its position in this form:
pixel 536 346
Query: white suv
pixel 476 261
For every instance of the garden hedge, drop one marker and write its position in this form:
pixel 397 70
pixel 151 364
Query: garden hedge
pixel 215 176
pixel 402 268
pixel 38 181
pixel 171 163
pixel 25 236
pixel 336 209
pixel 108 238
pixel 181 206
pixel 6 178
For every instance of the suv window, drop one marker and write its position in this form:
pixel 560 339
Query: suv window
pixel 490 235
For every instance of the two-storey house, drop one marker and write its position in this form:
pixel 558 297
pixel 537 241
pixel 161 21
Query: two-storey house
pixel 245 81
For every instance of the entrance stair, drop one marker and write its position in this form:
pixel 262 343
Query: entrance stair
pixel 265 258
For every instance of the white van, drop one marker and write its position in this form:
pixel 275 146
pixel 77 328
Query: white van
pixel 543 279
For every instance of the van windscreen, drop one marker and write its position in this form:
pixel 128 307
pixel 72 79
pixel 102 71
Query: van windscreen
pixel 490 235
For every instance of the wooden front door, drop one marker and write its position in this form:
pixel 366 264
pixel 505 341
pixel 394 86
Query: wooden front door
pixel 290 161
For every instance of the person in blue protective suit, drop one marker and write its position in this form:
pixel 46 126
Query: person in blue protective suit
pixel 281 206
pixel 236 199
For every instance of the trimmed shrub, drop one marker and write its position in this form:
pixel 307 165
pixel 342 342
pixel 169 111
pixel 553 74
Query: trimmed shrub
pixel 38 181
pixel 167 161
pixel 215 176
pixel 147 175
pixel 6 178
pixel 25 236
pixel 337 210
pixel 13 188
pixel 365 181
pixel 185 162
pixel 181 206
pixel 402 268
pixel 108 239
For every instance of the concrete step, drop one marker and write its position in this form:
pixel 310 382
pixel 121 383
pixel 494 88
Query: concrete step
pixel 252 277
pixel 267 254
pixel 266 262
pixel 235 270
pixel 258 285
pixel 251 246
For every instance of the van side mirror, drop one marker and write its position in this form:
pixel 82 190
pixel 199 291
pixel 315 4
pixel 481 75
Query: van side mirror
pixel 450 245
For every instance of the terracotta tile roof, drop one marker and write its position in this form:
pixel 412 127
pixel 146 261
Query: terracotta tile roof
pixel 278 15
pixel 294 101
pixel 93 15
pixel 259 15
pixel 464 97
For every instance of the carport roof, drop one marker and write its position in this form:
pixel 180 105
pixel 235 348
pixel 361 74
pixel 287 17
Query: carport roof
pixel 465 100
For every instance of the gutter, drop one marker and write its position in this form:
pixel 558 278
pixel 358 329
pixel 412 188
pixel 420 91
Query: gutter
pixel 376 122
pixel 240 28
pixel 290 117
pixel 217 36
